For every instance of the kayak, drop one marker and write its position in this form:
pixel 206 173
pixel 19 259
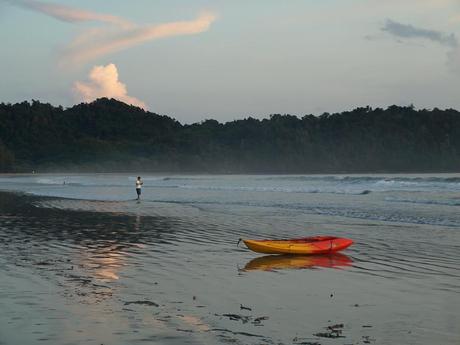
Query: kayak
pixel 302 246
pixel 296 262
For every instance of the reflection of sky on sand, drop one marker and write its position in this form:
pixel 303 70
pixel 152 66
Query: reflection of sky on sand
pixel 105 261
pixel 194 322
pixel 137 223
pixel 102 263
pixel 280 262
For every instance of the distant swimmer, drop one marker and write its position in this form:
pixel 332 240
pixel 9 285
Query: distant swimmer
pixel 139 184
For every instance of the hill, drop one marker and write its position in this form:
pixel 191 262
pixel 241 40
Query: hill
pixel 108 135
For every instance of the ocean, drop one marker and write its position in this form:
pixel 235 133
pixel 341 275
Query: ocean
pixel 83 262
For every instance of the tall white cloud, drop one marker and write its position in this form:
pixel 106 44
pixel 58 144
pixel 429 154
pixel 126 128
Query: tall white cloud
pixel 103 82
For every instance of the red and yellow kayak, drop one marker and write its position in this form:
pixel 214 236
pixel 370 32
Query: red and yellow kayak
pixel 301 246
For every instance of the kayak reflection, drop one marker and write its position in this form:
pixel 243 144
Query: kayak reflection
pixel 296 262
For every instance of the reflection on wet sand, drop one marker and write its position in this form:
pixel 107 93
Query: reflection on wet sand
pixel 195 323
pixel 280 262
pixel 102 263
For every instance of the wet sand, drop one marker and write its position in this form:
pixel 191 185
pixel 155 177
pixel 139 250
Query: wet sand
pixel 177 277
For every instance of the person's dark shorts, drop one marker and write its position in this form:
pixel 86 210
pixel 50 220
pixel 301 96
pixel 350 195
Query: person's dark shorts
pixel 138 191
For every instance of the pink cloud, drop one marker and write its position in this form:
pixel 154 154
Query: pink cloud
pixel 95 43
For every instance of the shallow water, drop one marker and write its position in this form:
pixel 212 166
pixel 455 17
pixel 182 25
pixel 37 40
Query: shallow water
pixel 84 263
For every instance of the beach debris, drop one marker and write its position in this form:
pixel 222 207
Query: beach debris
pixel 334 331
pixel 332 335
pixel 148 303
pixel 246 334
pixel 184 330
pixel 367 339
pixel 336 326
pixel 303 341
pixel 356 305
pixel 260 319
pixel 242 307
pixel 237 317
pixel 194 298
pixel 256 321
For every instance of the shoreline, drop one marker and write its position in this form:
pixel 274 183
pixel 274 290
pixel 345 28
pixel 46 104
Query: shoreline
pixel 184 173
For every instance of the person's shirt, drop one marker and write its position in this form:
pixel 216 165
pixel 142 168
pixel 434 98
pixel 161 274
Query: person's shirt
pixel 139 184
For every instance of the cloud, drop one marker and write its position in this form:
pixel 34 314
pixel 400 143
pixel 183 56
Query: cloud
pixel 103 82
pixel 66 13
pixel 449 40
pixel 408 31
pixel 98 42
pixel 92 43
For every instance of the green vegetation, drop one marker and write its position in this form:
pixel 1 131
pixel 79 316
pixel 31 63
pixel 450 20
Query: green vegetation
pixel 108 135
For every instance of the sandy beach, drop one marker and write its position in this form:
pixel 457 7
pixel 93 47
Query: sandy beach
pixel 95 271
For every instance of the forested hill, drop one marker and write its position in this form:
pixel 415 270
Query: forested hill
pixel 108 135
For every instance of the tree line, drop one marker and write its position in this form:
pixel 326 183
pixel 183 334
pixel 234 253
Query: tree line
pixel 107 135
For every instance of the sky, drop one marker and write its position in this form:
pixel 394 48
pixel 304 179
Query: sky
pixel 230 59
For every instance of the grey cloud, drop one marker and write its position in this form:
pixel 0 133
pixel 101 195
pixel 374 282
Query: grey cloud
pixel 408 31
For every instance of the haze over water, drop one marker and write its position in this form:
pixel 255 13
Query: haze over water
pixel 81 262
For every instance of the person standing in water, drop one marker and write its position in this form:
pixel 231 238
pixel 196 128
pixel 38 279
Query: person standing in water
pixel 139 184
